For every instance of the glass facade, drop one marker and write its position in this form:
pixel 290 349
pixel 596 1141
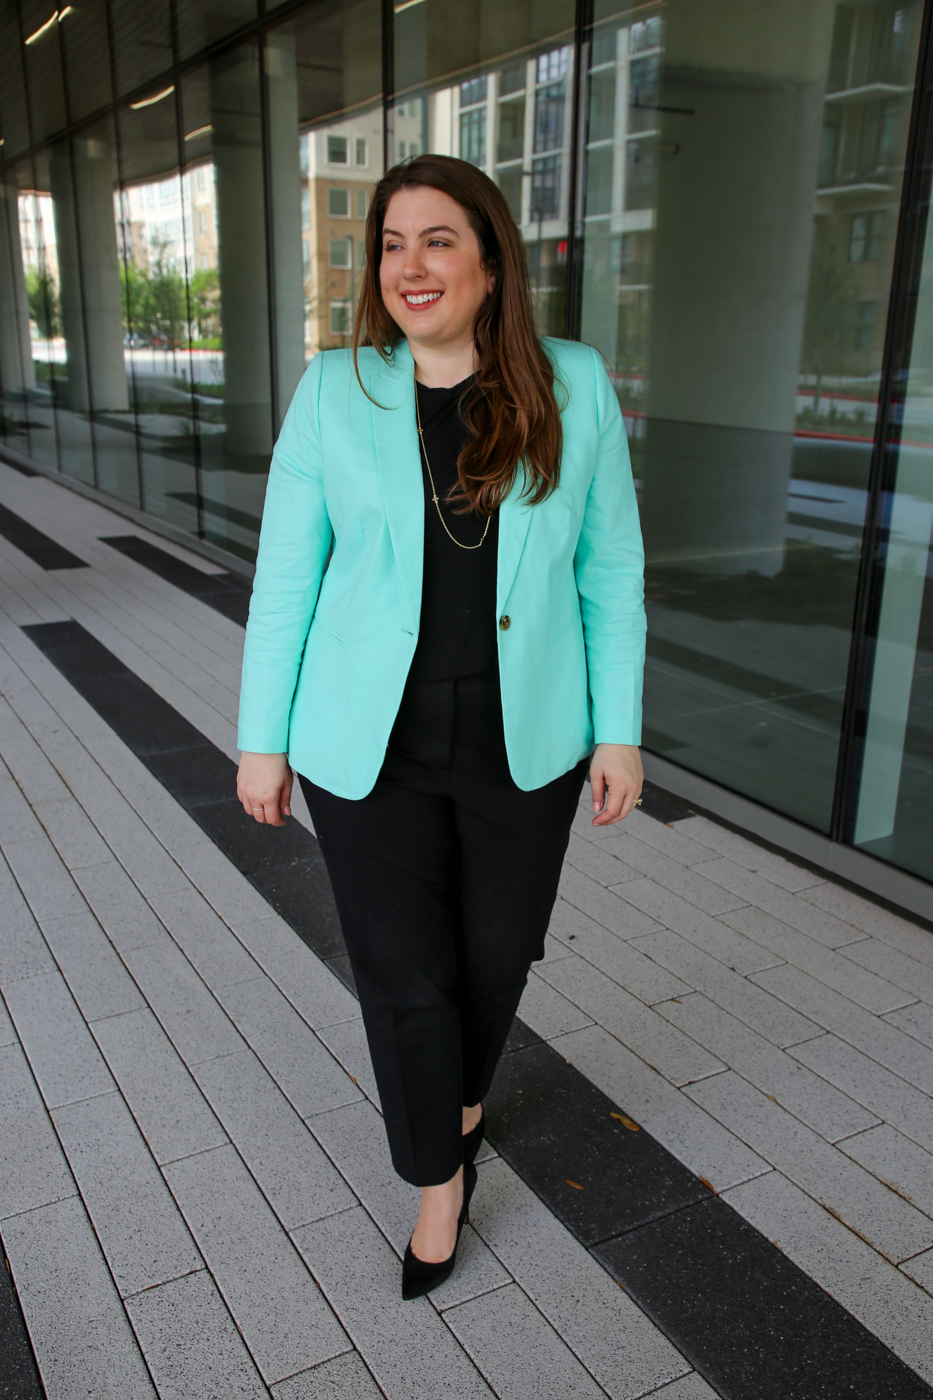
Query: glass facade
pixel 728 200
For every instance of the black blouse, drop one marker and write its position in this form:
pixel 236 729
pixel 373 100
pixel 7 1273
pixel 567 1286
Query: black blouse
pixel 458 597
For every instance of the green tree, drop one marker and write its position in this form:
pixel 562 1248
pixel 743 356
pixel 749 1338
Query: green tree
pixel 44 307
pixel 204 290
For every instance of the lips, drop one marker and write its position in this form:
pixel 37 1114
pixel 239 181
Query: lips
pixel 416 300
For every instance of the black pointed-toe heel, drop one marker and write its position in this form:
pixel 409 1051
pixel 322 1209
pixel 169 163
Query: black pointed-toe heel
pixel 473 1140
pixel 418 1277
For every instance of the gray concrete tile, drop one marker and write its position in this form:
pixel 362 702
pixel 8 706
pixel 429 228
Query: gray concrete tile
pixel 895 1160
pixel 120 908
pixel 871 918
pixel 518 1353
pixel 869 1083
pixel 275 1302
pixel 911 976
pixel 757 859
pixel 144 858
pixel 888 1304
pixel 915 1020
pixel 669 840
pixel 692 1387
pixel 920 1269
pixel 67 1064
pixel 607 909
pixel 34 775
pixel 215 952
pixel 77 1326
pixel 613 1338
pixel 746 1000
pixel 96 977
pixel 43 878
pixel 23 950
pixel 33 1170
pixel 192 1019
pixel 343 1378
pixel 811 1099
pixel 737 952
pixel 650 1036
pixel 7 1033
pixel 172 1114
pixel 547 1012
pixel 138 1224
pixel 347 1042
pixel 854 1196
pixel 620 960
pixel 875 1036
pixel 72 834
pixel 226 890
pixel 191 1343
pixel 791 909
pixel 679 879
pixel 18 822
pixel 554 950
pixel 834 969
pixel 294 1174
pixel 688 1131
pixel 602 866
pixel 300 1064
pixel 317 995
pixel 407 1347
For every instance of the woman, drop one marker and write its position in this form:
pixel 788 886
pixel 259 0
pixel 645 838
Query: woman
pixel 476 639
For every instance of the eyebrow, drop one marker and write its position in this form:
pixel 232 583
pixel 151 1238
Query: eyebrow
pixel 435 228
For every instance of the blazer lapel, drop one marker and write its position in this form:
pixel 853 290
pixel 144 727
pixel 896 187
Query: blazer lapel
pixel 514 519
pixel 399 458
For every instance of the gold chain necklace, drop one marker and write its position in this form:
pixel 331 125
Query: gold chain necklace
pixel 437 504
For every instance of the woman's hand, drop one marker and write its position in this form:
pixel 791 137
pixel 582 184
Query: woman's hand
pixel 616 776
pixel 264 786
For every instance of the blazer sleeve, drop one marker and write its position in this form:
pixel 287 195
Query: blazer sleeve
pixel 609 566
pixel 294 543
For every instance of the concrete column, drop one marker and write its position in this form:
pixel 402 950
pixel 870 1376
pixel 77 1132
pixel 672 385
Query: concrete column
pixel 82 180
pixel 16 369
pixel 735 193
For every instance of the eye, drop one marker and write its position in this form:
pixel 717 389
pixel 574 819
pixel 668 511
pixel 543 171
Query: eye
pixel 390 247
pixel 438 243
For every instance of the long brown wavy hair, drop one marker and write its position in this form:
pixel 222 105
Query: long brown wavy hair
pixel 511 410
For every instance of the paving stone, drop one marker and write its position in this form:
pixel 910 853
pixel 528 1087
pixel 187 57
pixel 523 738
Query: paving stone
pixel 654 1040
pixel 663 837
pixel 18 822
pixel 867 1082
pixel 854 1196
pixel 230 893
pixel 920 1269
pixel 294 1174
pixel 547 1012
pixel 7 1033
pixel 33 1170
pixel 74 837
pixel 44 880
pixel 895 1160
pixel 878 1295
pixel 316 994
pixel 191 1344
pixel 915 1020
pixel 347 1043
pixel 607 909
pixel 120 908
pixel 23 950
pixel 192 1019
pixel 77 1325
pixel 911 976
pixel 744 999
pixel 518 1353
pixel 692 1387
pixel 875 1036
pixel 299 1063
pixel 691 1134
pixel 274 1301
pixel 871 918
pixel 215 952
pixel 140 1230
pixel 343 1378
pixel 407 1347
pixel 96 977
pixel 616 1342
pixel 602 866
pixel 832 1114
pixel 67 1064
pixel 757 859
pixel 675 877
pixel 622 961
pixel 737 952
pixel 34 777
pixel 168 1106
pixel 791 909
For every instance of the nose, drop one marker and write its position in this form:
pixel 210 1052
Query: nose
pixel 413 268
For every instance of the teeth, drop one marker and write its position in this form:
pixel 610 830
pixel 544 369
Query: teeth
pixel 419 299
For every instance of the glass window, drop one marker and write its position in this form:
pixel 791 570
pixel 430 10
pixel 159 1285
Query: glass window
pixel 511 142
pixel 473 92
pixel 362 204
pixel 305 207
pixel 550 105
pixel 338 203
pixel 337 150
pixel 340 252
pixel 360 147
pixel 201 24
pixel 340 318
pixel 473 136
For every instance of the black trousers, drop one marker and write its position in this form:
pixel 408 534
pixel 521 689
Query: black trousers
pixel 445 876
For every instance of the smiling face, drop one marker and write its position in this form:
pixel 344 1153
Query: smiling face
pixel 431 275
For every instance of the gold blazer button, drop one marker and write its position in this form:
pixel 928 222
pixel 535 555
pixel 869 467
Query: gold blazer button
pixel 505 623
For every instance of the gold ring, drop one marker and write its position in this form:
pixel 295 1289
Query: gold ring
pixel 637 802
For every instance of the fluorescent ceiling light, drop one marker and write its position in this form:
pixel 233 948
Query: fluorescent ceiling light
pixel 148 101
pixel 407 5
pixel 201 131
pixel 43 29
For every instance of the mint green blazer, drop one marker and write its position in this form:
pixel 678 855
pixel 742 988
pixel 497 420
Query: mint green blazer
pixel 329 646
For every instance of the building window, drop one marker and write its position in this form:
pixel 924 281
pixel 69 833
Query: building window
pixel 473 92
pixel 306 256
pixel 338 203
pixel 511 142
pixel 864 325
pixel 553 65
pixel 202 221
pixel 473 135
pixel 599 164
pixel 362 155
pixel 303 154
pixel 205 262
pixel 545 188
pixel 512 80
pixel 305 207
pixel 865 237
pixel 361 202
pixel 199 180
pixel 337 150
pixel 339 252
pixel 549 117
pixel 340 318
pixel 639 175
pixel 510 183
pixel 829 149
pixel 644 75
pixel 646 34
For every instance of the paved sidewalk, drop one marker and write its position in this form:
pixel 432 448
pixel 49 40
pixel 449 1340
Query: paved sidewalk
pixel 195 1194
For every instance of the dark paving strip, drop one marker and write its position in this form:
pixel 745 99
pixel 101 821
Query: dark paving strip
pixel 41 550
pixel 226 593
pixel 19 1376
pixel 750 1321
